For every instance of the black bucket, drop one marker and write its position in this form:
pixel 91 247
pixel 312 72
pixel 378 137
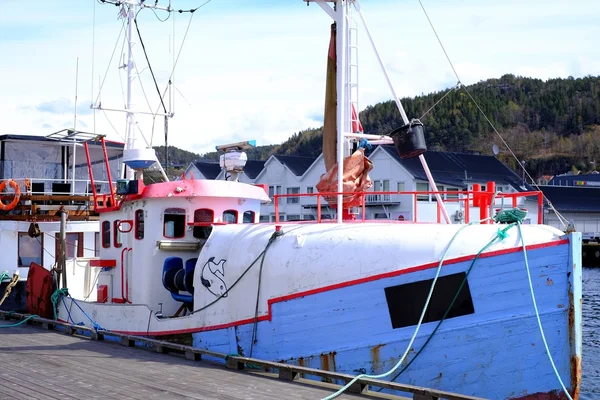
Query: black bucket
pixel 410 139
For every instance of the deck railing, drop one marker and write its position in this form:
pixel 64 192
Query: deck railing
pixel 486 201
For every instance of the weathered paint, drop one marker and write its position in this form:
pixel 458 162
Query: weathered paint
pixel 495 353
pixel 575 310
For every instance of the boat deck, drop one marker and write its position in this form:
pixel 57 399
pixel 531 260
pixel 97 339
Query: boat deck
pixel 42 364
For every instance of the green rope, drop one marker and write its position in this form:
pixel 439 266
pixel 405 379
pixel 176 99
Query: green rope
pixel 510 216
pixel 56 297
pixel 20 322
pixel 513 216
pixel 248 365
pixel 500 235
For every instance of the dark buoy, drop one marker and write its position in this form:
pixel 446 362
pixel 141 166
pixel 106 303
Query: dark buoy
pixel 410 139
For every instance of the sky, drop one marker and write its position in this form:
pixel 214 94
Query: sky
pixel 255 70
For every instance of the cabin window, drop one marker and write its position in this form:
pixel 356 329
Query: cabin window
pixel 118 240
pixel 96 244
pixel 139 224
pixel 249 217
pixel 106 234
pixel 30 250
pixel 230 216
pixel 174 223
pixel 74 244
pixel 205 216
pixel 406 302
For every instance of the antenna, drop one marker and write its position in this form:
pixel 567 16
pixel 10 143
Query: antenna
pixel 76 82
pixel 495 150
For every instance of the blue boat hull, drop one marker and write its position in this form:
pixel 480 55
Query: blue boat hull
pixel 494 350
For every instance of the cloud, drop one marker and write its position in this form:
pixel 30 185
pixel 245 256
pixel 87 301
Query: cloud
pixel 259 73
pixel 60 106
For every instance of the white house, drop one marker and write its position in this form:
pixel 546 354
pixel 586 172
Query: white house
pixel 203 170
pixel 284 174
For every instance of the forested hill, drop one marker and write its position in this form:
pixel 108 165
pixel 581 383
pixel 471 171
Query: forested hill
pixel 553 125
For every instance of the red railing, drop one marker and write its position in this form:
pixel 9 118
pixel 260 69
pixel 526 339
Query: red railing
pixel 484 200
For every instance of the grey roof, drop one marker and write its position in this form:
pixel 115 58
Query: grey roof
pixel 459 169
pixel 573 199
pixel 576 180
pixel 253 168
pixel 210 170
pixel 298 165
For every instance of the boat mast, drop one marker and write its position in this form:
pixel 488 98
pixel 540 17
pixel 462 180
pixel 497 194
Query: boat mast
pixel 340 15
pixel 130 135
pixel 135 157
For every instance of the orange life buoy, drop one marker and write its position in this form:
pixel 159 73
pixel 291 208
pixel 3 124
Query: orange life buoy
pixel 17 195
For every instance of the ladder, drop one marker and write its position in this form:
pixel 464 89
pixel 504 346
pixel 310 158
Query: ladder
pixel 352 75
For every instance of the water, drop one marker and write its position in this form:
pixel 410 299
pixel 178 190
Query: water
pixel 590 387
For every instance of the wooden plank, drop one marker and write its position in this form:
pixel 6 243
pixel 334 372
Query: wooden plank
pixel 237 363
pixel 90 369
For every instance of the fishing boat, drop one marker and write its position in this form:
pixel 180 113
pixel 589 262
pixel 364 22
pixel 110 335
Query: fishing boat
pixel 45 179
pixel 489 307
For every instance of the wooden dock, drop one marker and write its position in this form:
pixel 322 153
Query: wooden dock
pixel 42 364
pixel 39 363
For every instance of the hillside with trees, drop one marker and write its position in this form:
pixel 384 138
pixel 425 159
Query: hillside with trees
pixel 553 126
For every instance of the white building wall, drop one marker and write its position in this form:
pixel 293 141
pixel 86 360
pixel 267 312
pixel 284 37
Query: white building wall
pixel 279 176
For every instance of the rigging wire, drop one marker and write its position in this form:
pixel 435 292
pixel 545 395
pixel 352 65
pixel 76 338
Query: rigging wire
pixel 109 62
pixel 111 124
pixel 561 218
pixel 120 77
pixel 162 102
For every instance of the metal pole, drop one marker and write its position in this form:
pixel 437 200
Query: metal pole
pixel 63 247
pixel 130 143
pixel 341 37
pixel 402 113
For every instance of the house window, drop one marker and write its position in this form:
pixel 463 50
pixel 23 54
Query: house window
pixel 382 186
pixel 230 216
pixel 310 189
pixel 422 187
pixel 452 195
pixel 273 190
pixel 74 244
pixel 400 187
pixel 293 218
pixel 205 216
pixel 174 223
pixel 139 224
pixel 264 218
pixel 96 244
pixel 249 217
pixel 440 188
pixel 308 217
pixel 293 200
pixel 106 234
pixel 405 302
pixel 30 250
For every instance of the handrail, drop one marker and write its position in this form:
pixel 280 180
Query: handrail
pixel 484 200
